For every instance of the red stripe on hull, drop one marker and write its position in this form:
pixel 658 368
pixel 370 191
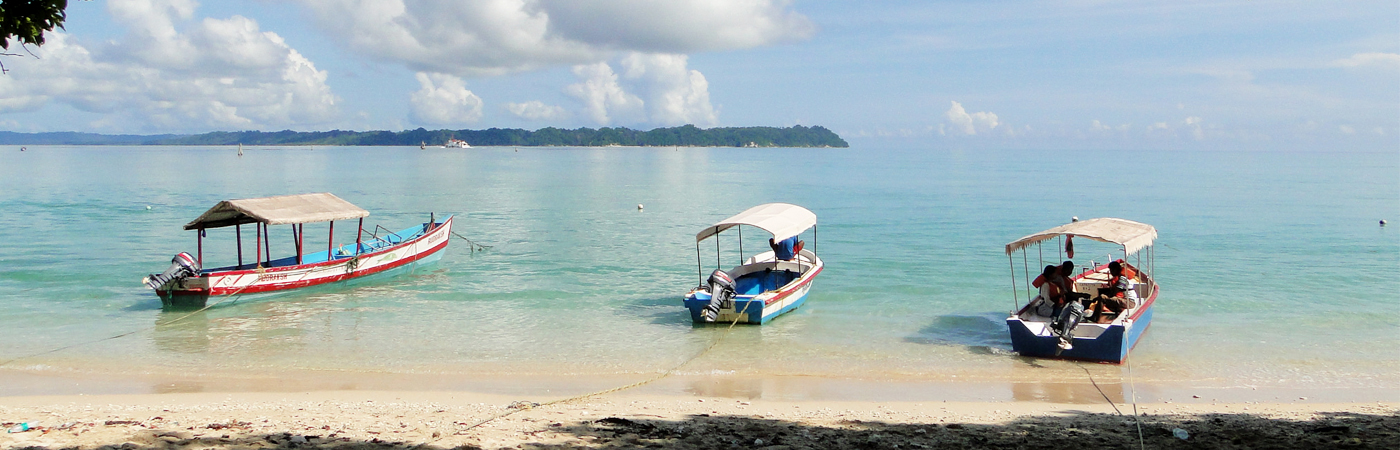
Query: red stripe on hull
pixel 256 288
pixel 784 293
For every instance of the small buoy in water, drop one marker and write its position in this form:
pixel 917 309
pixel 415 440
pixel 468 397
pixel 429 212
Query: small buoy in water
pixel 148 207
pixel 639 208
pixel 23 149
pixel 1382 222
pixel 1074 219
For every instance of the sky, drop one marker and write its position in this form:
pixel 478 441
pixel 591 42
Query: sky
pixel 1145 74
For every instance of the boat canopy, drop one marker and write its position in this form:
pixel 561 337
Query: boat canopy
pixel 1133 236
pixel 782 219
pixel 280 210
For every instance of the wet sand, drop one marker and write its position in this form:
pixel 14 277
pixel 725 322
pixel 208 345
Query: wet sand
pixel 386 419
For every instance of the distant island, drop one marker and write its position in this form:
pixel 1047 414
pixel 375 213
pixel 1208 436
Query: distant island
pixel 684 136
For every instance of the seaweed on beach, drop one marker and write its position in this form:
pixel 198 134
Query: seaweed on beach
pixel 704 431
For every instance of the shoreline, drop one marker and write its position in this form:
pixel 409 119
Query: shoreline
pixel 406 419
pixel 1100 388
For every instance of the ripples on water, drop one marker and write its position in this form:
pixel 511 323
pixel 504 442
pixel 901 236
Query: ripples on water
pixel 1272 266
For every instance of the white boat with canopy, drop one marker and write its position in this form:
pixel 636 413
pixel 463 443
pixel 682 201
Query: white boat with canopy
pixel 1097 313
pixel 188 283
pixel 766 284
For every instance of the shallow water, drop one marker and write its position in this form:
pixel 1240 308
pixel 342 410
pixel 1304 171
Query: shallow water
pixel 1273 269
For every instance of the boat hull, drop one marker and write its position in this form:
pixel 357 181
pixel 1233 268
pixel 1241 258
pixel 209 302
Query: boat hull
pixel 761 308
pixel 1034 339
pixel 195 292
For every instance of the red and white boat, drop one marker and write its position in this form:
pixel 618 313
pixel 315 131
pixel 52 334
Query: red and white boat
pixel 187 283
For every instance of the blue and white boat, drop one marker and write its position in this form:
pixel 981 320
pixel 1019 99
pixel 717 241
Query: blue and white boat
pixel 764 285
pixel 1040 330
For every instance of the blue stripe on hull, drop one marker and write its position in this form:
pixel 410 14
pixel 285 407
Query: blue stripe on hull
pixel 1111 346
pixel 696 304
pixel 1139 327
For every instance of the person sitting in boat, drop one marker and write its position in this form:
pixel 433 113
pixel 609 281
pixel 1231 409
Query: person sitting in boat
pixel 1046 276
pixel 1066 283
pixel 1051 298
pixel 1120 294
pixel 786 249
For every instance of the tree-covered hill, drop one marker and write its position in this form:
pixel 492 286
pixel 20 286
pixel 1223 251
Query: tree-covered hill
pixel 688 135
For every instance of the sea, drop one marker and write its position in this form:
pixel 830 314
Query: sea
pixel 1277 278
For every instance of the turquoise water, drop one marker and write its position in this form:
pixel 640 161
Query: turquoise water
pixel 1273 268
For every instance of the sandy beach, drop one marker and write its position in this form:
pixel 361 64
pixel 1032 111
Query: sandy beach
pixel 387 419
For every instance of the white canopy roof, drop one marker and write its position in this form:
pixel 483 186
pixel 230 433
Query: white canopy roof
pixel 1133 236
pixel 781 219
pixel 285 209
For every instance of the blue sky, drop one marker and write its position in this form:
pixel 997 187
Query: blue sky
pixel 1101 74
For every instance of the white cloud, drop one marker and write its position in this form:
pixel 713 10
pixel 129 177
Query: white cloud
pixel 652 88
pixel 603 98
pixel 536 110
pixel 675 95
pixel 1374 59
pixel 1347 129
pixel 492 37
pixel 1098 126
pixel 444 100
pixel 216 73
pixel 970 124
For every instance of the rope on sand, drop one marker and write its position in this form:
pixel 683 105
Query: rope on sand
pixel 1137 419
pixel 526 406
pixel 1096 386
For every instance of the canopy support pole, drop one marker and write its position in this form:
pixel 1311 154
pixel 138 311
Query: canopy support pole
pixel 699 272
pixel 358 233
pixel 257 243
pixel 199 245
pixel 1015 297
pixel 797 256
pixel 267 245
pixel 718 265
pixel 741 244
pixel 297 235
pixel 238 232
pixel 1026 265
pixel 330 242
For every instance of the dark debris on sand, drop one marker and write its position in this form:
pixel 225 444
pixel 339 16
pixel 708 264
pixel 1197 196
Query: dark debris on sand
pixel 1076 430
pixel 1085 430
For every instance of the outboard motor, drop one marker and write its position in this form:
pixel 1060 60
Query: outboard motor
pixel 182 266
pixel 1063 326
pixel 721 294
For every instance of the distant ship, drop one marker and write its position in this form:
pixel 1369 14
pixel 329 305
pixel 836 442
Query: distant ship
pixel 456 143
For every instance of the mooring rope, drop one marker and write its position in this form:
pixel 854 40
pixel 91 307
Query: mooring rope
pixel 1137 419
pixel 1096 386
pixel 230 297
pixel 474 246
pixel 526 406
